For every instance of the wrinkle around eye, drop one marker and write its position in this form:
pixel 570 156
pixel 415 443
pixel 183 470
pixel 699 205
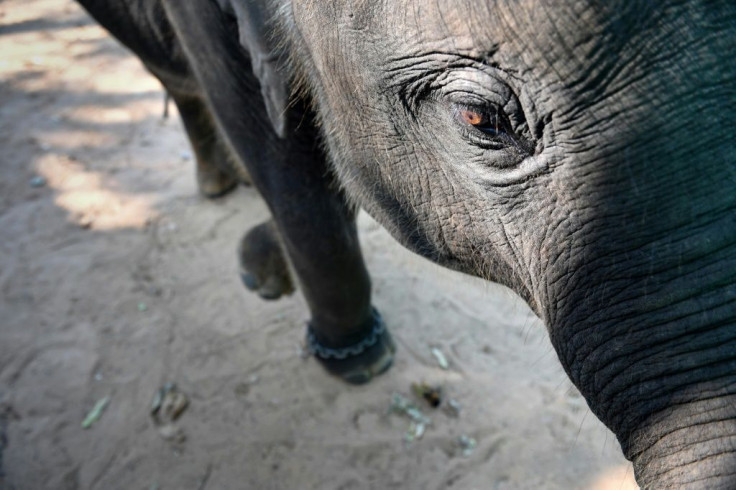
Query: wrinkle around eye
pixel 418 75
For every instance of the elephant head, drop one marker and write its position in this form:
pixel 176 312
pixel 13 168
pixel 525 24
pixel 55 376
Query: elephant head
pixel 582 154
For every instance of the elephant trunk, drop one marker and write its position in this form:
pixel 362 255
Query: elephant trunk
pixel 649 337
pixel 667 391
pixel 687 446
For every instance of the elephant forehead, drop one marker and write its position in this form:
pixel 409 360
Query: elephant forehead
pixel 362 28
pixel 528 32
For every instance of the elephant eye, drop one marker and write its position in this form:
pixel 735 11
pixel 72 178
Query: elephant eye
pixel 471 117
pixel 488 127
pixel 485 120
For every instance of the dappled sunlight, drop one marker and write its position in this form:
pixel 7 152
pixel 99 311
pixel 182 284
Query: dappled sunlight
pixel 25 50
pixel 68 39
pixel 90 201
pixel 93 125
pixel 85 99
pixel 127 109
pixel 616 478
pixel 69 139
pixel 18 15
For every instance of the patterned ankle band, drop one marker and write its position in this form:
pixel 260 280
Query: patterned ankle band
pixel 317 349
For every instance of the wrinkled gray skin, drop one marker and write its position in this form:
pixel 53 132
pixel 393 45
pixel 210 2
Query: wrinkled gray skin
pixel 602 191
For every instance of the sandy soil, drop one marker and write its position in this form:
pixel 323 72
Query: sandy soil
pixel 117 278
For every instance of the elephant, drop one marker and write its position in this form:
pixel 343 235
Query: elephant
pixel 580 153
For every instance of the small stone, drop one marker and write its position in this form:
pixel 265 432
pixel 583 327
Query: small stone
pixel 85 222
pixel 467 445
pixel 168 404
pixel 453 407
pixel 402 405
pixel 37 182
pixel 242 389
pixel 142 307
pixel 414 432
pixel 174 404
pixel 172 433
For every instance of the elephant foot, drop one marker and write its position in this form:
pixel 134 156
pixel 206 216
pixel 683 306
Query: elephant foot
pixel 361 362
pixel 263 268
pixel 213 182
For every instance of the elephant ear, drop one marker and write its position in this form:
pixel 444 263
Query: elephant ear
pixel 252 19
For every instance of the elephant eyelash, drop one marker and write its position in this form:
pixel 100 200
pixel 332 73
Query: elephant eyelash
pixel 486 121
pixel 487 127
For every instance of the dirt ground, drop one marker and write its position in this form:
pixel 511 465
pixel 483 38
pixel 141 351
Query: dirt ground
pixel 118 278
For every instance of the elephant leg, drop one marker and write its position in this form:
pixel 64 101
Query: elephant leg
pixel 263 267
pixel 317 232
pixel 345 333
pixel 315 225
pixel 214 175
pixel 334 282
pixel 141 27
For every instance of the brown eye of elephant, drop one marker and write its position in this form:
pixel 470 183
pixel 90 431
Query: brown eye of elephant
pixel 485 121
pixel 471 117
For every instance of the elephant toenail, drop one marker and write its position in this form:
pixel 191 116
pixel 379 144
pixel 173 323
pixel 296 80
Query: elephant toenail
pixel 249 280
pixel 269 295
